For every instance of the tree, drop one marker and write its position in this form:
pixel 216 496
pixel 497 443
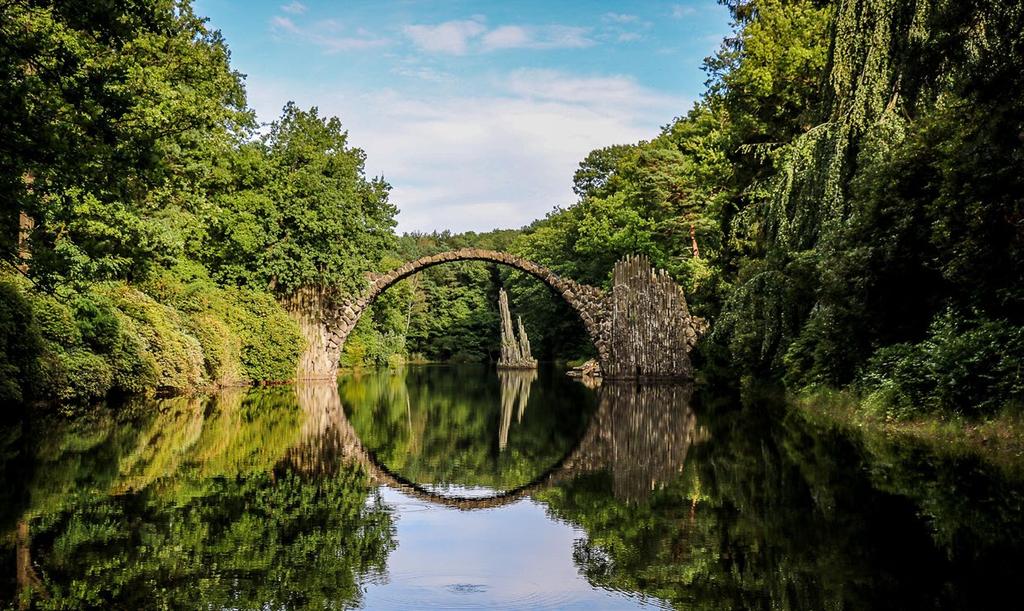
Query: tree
pixel 113 113
pixel 300 213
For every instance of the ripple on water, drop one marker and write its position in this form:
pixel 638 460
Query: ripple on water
pixel 447 591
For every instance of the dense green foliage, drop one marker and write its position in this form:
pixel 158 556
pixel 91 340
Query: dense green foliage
pixel 172 333
pixel 844 202
pixel 19 342
pixel 896 222
pixel 165 231
pixel 297 211
pixel 113 113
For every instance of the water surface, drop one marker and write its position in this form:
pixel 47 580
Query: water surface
pixel 464 487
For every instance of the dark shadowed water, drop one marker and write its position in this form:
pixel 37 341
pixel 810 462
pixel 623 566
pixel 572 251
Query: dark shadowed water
pixel 463 487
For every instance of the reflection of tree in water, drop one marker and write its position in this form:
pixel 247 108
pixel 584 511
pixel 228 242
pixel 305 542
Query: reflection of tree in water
pixel 773 512
pixel 515 390
pixel 443 426
pixel 187 508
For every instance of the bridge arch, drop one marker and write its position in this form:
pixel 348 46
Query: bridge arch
pixel 642 327
pixel 587 301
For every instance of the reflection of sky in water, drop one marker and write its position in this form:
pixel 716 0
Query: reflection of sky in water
pixel 463 492
pixel 511 557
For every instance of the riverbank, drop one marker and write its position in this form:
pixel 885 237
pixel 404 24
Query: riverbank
pixel 177 333
pixel 997 440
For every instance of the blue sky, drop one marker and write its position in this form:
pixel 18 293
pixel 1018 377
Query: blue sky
pixel 476 112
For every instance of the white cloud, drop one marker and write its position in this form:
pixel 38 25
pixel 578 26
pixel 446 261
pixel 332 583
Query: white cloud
pixel 560 36
pixel 604 93
pixel 295 8
pixel 450 37
pixel 486 161
pixel 623 28
pixel 619 17
pixel 681 10
pixel 507 37
pixel 424 73
pixel 326 36
pixel 536 37
pixel 472 35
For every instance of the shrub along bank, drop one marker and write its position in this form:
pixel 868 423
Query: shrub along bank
pixel 173 334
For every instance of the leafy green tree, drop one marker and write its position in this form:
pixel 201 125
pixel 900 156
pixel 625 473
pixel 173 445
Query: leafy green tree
pixel 112 115
pixel 894 220
pixel 301 212
pixel 596 170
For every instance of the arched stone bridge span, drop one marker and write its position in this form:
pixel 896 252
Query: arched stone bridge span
pixel 642 328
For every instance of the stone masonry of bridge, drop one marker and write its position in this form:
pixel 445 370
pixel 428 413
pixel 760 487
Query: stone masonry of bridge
pixel 642 328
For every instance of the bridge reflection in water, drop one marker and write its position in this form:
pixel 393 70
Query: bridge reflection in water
pixel 640 433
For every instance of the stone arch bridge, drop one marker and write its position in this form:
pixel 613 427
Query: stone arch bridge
pixel 642 328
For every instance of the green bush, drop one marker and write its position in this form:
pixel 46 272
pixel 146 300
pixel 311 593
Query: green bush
pixel 222 348
pixel 97 323
pixel 245 335
pixel 76 377
pixel 967 365
pixel 180 333
pixel 70 372
pixel 55 321
pixel 19 343
pixel 204 310
pixel 163 337
pixel 135 369
pixel 271 341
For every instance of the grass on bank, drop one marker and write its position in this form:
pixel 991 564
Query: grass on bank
pixel 997 439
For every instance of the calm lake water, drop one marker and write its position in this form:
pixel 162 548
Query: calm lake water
pixel 463 487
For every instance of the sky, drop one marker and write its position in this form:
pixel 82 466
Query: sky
pixel 511 557
pixel 476 113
